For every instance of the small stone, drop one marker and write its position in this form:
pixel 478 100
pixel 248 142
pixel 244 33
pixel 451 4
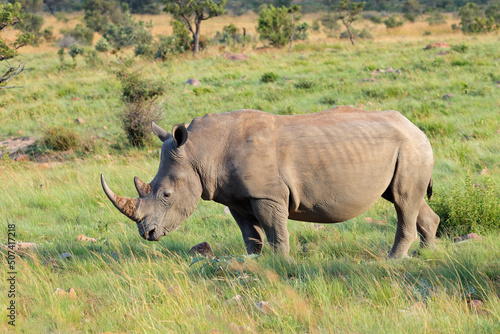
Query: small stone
pixel 475 303
pixel 22 158
pixel 227 211
pixel 470 236
pixel 399 72
pixel 71 293
pixel 81 237
pixel 319 227
pixel 20 131
pixel 22 246
pixel 236 57
pixel 65 255
pixel 202 249
pixel 193 82
pixel 437 45
pixel 448 96
pixel 265 307
pixel 310 246
pixel 443 53
pixel 341 79
pixel 389 70
pixel 485 171
pixel 243 77
pixel 104 127
pixel 234 300
pixel 380 222
pixel 374 72
pixel 369 220
pixel 79 120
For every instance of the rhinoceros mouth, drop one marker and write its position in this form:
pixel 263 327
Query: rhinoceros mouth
pixel 150 233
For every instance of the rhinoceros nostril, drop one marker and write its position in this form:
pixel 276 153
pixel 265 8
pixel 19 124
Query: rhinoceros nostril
pixel 150 234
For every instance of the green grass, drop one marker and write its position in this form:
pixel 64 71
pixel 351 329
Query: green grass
pixel 343 284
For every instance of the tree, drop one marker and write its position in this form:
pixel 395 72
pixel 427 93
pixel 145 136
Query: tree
pixel 277 25
pixel 474 20
pixel 98 13
pixel 412 9
pixel 192 12
pixel 10 15
pixel 348 13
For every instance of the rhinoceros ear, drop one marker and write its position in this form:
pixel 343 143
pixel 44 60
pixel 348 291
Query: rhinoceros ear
pixel 180 134
pixel 162 134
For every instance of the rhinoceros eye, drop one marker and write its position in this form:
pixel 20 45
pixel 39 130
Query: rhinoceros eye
pixel 166 193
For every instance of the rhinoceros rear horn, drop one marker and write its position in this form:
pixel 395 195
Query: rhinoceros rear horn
pixel 162 134
pixel 127 206
pixel 143 189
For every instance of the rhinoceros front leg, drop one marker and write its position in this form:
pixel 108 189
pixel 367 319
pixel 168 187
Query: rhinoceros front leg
pixel 273 217
pixel 251 231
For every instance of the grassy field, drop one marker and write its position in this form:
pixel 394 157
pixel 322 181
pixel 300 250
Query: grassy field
pixel 342 283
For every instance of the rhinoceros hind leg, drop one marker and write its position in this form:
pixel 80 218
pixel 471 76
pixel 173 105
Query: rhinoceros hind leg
pixel 427 224
pixel 406 231
pixel 251 231
pixel 273 217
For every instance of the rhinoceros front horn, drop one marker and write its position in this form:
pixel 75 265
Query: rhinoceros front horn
pixel 127 206
pixel 143 189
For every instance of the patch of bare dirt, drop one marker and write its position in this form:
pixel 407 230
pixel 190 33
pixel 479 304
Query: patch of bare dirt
pixel 15 147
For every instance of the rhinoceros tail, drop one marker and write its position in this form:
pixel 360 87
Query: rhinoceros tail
pixel 429 190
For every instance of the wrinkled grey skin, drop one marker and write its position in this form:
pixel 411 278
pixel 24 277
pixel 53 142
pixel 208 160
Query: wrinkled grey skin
pixel 326 167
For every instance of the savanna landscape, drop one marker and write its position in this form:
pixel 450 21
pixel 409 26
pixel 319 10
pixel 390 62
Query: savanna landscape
pixel 90 270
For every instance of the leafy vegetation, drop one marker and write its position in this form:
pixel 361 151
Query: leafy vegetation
pixel 339 277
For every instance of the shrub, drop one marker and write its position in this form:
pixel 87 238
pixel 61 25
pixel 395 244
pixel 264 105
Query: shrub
pixel 76 50
pixel 140 110
pixel 100 13
pixel 330 23
pixel 79 34
pixel 31 23
pixel 469 207
pixel 436 17
pixel 304 84
pixel 375 18
pixel 393 22
pixel 474 20
pixel 127 33
pixel 92 58
pixel 136 121
pixel 275 25
pixel 461 48
pixel 102 45
pixel 315 25
pixel 301 32
pixel 47 34
pixel 269 77
pixel 60 139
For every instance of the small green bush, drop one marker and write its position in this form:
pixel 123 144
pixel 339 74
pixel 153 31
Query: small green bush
pixel 304 84
pixel 60 139
pixel 469 207
pixel 79 34
pixel 102 45
pixel 393 22
pixel 269 77
pixel 461 48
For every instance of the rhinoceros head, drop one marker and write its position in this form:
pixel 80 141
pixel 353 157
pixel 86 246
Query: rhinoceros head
pixel 173 194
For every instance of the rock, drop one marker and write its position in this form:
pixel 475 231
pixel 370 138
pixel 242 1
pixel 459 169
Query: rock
pixel 369 220
pixel 368 80
pixel 236 57
pixel 485 171
pixel 475 303
pixel 447 96
pixel 227 211
pixel 22 158
pixel 310 246
pixel 79 120
pixel 104 127
pixel 470 236
pixel 81 237
pixel 52 264
pixel 443 53
pixel 65 255
pixel 389 70
pixel 20 131
pixel 265 307
pixel 437 45
pixel 243 77
pixel 234 300
pixel 203 249
pixel 399 72
pixel 71 293
pixel 193 82
pixel 22 246
pixel 319 227
pixel 380 222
